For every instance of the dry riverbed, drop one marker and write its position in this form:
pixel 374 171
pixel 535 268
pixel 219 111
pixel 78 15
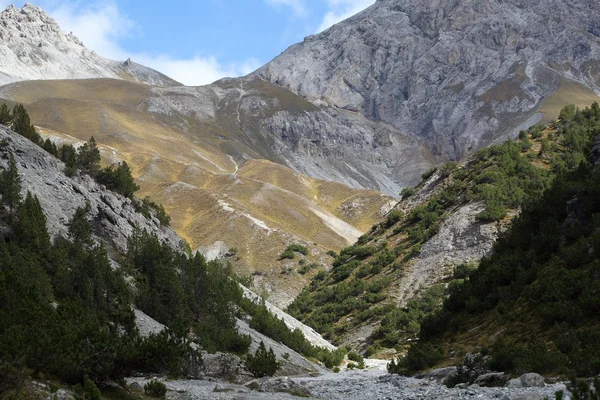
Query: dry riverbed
pixel 369 384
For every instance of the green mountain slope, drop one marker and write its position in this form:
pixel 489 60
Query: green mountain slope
pixel 399 273
pixel 534 304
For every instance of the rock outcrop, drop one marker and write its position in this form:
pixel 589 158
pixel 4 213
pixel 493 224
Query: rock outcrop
pixel 527 380
pixel 461 239
pixel 113 217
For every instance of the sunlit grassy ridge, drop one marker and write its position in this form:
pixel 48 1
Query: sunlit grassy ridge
pixel 189 167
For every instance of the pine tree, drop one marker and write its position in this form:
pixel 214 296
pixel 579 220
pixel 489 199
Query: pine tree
pixel 263 362
pixel 596 110
pixel 5 116
pixel 119 179
pixel 50 147
pixel 21 123
pixel 10 187
pixel 31 228
pixel 88 158
pixel 68 155
pixel 80 229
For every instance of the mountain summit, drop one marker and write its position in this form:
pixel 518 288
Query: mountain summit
pixel 34 47
pixel 455 74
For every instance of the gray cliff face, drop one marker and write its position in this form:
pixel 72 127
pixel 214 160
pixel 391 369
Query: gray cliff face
pixel 112 216
pixel 455 74
pixel 268 122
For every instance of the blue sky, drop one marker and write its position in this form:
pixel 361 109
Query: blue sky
pixel 196 42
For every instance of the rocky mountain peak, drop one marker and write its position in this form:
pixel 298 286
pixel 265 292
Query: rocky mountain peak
pixel 456 74
pixel 33 46
pixel 31 24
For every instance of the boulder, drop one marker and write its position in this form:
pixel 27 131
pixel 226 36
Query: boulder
pixel 136 387
pixel 527 396
pixel 222 365
pixel 440 375
pixel 526 380
pixel 514 383
pixel 284 385
pixel 492 379
pixel 532 380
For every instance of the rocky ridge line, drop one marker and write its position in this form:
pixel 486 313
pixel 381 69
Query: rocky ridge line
pixel 33 46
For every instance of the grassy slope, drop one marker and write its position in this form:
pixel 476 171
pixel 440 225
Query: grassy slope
pixel 185 165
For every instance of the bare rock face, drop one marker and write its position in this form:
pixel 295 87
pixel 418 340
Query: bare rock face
pixel 461 239
pixel 456 75
pixel 112 216
pixel 33 46
pixel 317 140
pixel 291 362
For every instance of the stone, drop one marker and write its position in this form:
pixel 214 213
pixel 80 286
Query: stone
pixel 284 385
pixel 440 375
pixel 221 365
pixel 220 389
pixel 492 379
pixel 396 381
pixel 528 396
pixel 369 384
pixel 514 383
pixel 532 380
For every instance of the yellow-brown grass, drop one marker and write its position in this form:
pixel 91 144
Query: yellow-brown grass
pixel 189 173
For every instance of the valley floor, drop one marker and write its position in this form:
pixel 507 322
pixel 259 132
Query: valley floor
pixel 370 384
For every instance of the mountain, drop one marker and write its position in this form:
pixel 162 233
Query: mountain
pixel 228 159
pixel 454 75
pixel 269 174
pixel 218 185
pixel 532 304
pixel 33 46
pixel 224 184
pixel 87 265
pixel 488 266
pixel 382 288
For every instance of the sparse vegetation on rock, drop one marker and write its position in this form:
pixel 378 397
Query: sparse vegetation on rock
pixel 155 388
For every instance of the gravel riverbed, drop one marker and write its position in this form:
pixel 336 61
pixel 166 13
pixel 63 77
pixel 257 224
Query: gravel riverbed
pixel 370 384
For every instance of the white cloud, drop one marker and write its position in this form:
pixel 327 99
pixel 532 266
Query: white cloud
pixel 339 10
pixel 297 6
pixel 198 70
pixel 101 26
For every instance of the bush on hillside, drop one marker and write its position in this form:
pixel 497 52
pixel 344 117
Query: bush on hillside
pixel 155 388
pixel 407 192
pixel 429 173
pixel 263 362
